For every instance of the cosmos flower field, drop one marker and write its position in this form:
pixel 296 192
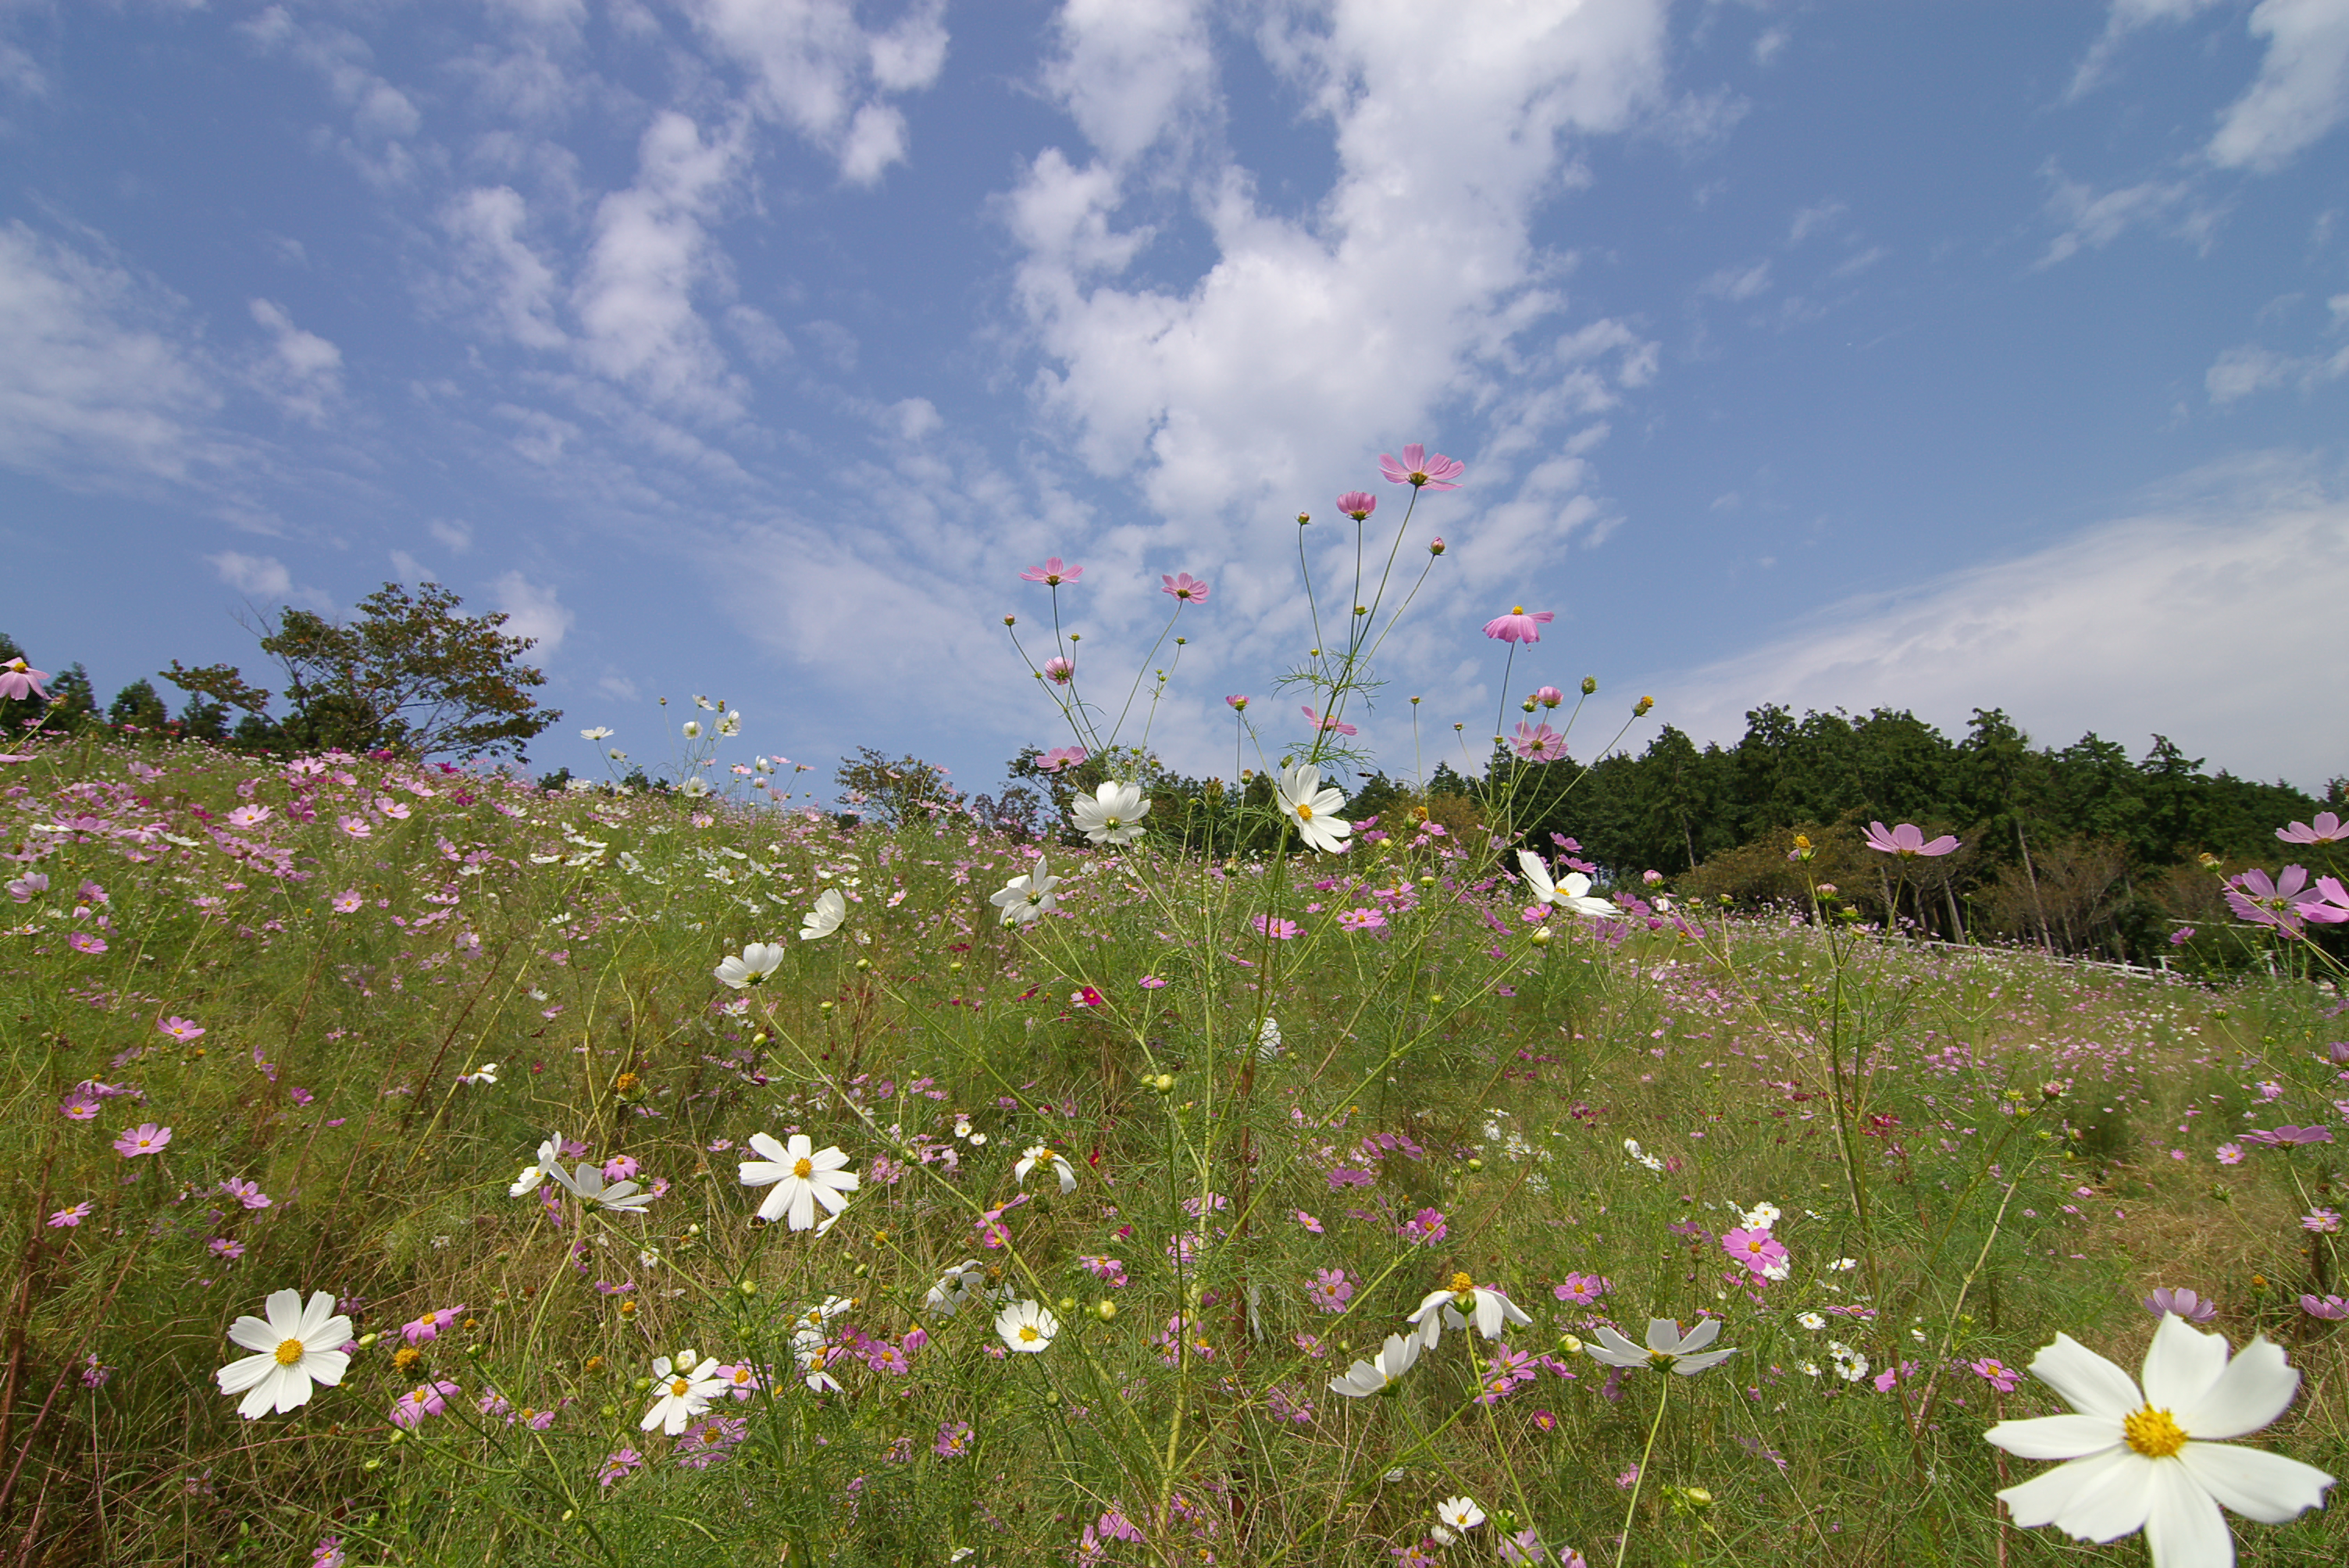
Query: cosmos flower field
pixel 1122 1234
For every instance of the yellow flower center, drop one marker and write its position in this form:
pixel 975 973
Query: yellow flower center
pixel 679 1387
pixel 804 1169
pixel 2154 1433
pixel 1028 1336
pixel 1516 609
pixel 1109 821
pixel 1461 1282
pixel 1304 812
pixel 289 1351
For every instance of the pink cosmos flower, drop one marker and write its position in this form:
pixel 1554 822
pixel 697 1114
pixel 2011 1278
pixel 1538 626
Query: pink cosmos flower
pixel 1361 920
pixel 1517 626
pixel 2263 900
pixel 1907 840
pixel 349 901
pixel 427 1328
pixel 1582 1289
pixel 225 1250
pixel 1549 697
pixel 1151 983
pixel 2328 829
pixel 181 1029
pixel 83 941
pixel 2230 1154
pixel 1052 573
pixel 1185 587
pixel 20 680
pixel 1357 505
pixel 2288 1136
pixel 2329 905
pixel 1330 1290
pixel 144 1139
pixel 354 827
pixel 424 1399
pixel 25 888
pixel 2321 1222
pixel 1309 1221
pixel 1538 743
pixel 616 1466
pixel 2332 1308
pixel 619 1168
pixel 248 1193
pixel 1060 757
pixel 1279 930
pixel 67 1219
pixel 1997 1374
pixel 1237 703
pixel 1059 671
pixel 1417 469
pixel 2183 1303
pixel 1759 1250
pixel 1318 722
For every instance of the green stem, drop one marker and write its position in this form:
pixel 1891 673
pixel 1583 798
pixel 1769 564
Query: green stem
pixel 1640 1478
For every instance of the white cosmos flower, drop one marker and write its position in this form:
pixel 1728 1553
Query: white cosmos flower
pixel 693 729
pixel 1364 1378
pixel 1027 1325
pixel 1668 1349
pixel 1026 897
pixel 1038 1154
pixel 486 1073
pixel 1319 814
pixel 1267 1040
pixel 686 1391
pixel 1572 895
pixel 599 733
pixel 1460 1514
pixel 730 723
pixel 966 1282
pixel 2151 1459
pixel 831 909
pixel 759 960
pixel 1811 1320
pixel 293 1347
pixel 549 1157
pixel 802 1177
pixel 1112 814
pixel 587 1182
pixel 1760 1217
pixel 1457 1304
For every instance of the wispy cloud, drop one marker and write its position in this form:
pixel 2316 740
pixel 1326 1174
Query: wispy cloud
pixel 257 577
pixel 2302 90
pixel 302 371
pixel 2171 621
pixel 816 69
pixel 533 611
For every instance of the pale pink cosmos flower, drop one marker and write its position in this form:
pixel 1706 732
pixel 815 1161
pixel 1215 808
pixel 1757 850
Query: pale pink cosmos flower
pixel 1518 626
pixel 1060 757
pixel 25 888
pixel 1053 572
pixel 354 827
pixel 349 901
pixel 1237 703
pixel 182 1029
pixel 2332 1308
pixel 2328 905
pixel 1185 587
pixel 1059 671
pixel 66 1218
pixel 144 1139
pixel 1318 722
pixel 83 941
pixel 2328 829
pixel 424 1399
pixel 2184 1304
pixel 1549 697
pixel 1357 505
pixel 1417 469
pixel 21 680
pixel 1540 744
pixel 1907 840
pixel 2263 900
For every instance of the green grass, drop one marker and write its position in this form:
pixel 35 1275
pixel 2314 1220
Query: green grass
pixel 1449 1063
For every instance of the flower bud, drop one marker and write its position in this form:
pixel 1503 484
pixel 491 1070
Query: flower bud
pixel 1105 1309
pixel 1435 545
pixel 1639 710
pixel 1303 518
pixel 1590 685
pixel 1541 937
pixel 1010 620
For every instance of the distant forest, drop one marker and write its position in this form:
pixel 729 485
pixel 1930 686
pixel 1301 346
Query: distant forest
pixel 2081 849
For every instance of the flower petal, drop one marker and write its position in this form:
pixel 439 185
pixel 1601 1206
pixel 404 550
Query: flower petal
pixel 2089 1384
pixel 284 1311
pixel 2114 1497
pixel 2182 1364
pixel 255 1335
pixel 2038 1501
pixel 2185 1528
pixel 2253 1390
pixel 1703 1335
pixel 2056 1436
pixel 244 1373
pixel 1690 1366
pixel 2266 1487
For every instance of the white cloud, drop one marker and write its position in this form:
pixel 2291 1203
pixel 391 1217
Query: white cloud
pixel 2125 17
pixel 2302 90
pixel 258 576
pixel 2093 222
pixel 1306 339
pixel 2238 373
pixel 304 371
pixel 457 536
pixel 497 266
pixel 2172 622
pixel 819 72
pixel 532 612
pixel 635 296
pixel 93 378
pixel 411 570
pixel 1132 71
pixel 1735 283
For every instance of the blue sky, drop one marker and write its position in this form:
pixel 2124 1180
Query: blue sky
pixel 1833 355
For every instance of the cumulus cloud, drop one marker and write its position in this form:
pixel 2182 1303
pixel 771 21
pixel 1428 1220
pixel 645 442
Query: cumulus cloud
pixel 533 611
pixel 819 71
pixel 497 268
pixel 634 299
pixel 2302 90
pixel 1132 71
pixel 2165 622
pixel 303 371
pixel 257 577
pixel 95 377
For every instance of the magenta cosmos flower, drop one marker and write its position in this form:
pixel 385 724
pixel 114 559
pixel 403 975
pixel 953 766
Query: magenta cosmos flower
pixel 1053 572
pixel 1758 1250
pixel 1907 840
pixel 1357 505
pixel 1185 587
pixel 1518 626
pixel 144 1139
pixel 1538 744
pixel 1417 469
pixel 19 679
pixel 1238 703
pixel 2326 829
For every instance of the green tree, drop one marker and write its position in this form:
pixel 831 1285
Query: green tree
pixel 137 706
pixel 409 672
pixel 73 696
